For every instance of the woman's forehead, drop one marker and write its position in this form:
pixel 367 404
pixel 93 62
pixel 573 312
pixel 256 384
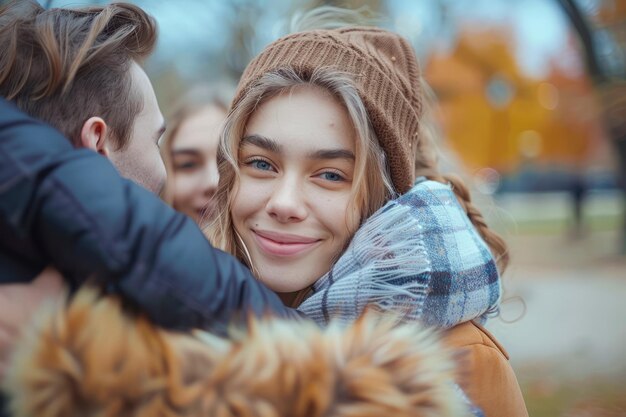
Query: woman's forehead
pixel 304 119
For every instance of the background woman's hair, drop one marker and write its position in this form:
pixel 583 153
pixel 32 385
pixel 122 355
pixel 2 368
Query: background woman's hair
pixel 66 65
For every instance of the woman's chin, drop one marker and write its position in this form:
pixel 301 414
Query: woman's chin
pixel 285 281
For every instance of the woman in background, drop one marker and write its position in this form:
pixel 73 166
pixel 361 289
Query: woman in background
pixel 189 150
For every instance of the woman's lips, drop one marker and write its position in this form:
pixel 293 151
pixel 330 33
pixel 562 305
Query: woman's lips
pixel 279 244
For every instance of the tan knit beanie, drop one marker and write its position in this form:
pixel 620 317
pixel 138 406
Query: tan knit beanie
pixel 386 74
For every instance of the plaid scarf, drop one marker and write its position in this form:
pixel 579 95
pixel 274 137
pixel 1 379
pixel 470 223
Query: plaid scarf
pixel 418 255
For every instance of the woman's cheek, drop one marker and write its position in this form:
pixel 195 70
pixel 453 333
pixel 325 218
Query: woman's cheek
pixel 183 188
pixel 248 197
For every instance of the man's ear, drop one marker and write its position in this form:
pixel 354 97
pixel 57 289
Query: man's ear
pixel 93 136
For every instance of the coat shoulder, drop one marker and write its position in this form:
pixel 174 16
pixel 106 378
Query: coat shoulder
pixel 470 334
pixel 486 374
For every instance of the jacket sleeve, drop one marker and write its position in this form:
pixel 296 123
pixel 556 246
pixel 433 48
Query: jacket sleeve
pixel 71 208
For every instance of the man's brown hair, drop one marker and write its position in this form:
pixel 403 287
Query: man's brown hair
pixel 66 65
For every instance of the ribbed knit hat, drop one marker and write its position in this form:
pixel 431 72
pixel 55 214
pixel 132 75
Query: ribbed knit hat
pixel 386 74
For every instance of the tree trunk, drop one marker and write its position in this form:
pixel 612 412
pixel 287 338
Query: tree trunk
pixel 613 111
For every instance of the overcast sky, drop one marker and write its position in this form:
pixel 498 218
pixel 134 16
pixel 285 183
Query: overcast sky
pixel 540 29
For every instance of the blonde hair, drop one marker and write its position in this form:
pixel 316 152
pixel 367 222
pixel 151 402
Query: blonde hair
pixel 372 185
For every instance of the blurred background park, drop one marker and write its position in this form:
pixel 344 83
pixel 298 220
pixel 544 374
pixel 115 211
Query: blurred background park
pixel 532 106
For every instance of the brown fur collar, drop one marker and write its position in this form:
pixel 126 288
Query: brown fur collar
pixel 89 358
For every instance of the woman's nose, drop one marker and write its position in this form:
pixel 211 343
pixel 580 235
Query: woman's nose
pixel 287 201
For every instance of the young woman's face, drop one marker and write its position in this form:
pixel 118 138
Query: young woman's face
pixel 296 161
pixel 194 162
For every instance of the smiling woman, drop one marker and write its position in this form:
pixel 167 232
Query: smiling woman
pixel 296 170
pixel 330 192
pixel 298 176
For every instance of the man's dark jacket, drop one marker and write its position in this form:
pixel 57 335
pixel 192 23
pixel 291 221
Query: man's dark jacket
pixel 69 207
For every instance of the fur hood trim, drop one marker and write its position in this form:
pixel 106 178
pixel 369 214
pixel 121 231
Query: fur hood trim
pixel 91 358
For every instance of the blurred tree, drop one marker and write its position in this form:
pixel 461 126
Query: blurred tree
pixel 602 34
pixel 495 116
pixel 252 26
pixel 476 84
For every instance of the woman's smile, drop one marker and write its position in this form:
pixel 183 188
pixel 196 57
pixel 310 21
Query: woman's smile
pixel 281 244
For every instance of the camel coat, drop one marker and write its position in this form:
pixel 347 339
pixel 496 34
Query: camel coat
pixel 487 376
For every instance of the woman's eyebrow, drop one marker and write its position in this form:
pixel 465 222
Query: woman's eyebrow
pixel 332 154
pixel 272 146
pixel 262 142
pixel 185 151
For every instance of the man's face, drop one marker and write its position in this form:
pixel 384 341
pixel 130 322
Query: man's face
pixel 140 160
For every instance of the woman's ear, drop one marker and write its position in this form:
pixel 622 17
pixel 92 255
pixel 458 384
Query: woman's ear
pixel 93 136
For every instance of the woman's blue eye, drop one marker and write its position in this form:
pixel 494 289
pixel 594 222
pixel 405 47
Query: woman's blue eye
pixel 262 165
pixel 332 176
